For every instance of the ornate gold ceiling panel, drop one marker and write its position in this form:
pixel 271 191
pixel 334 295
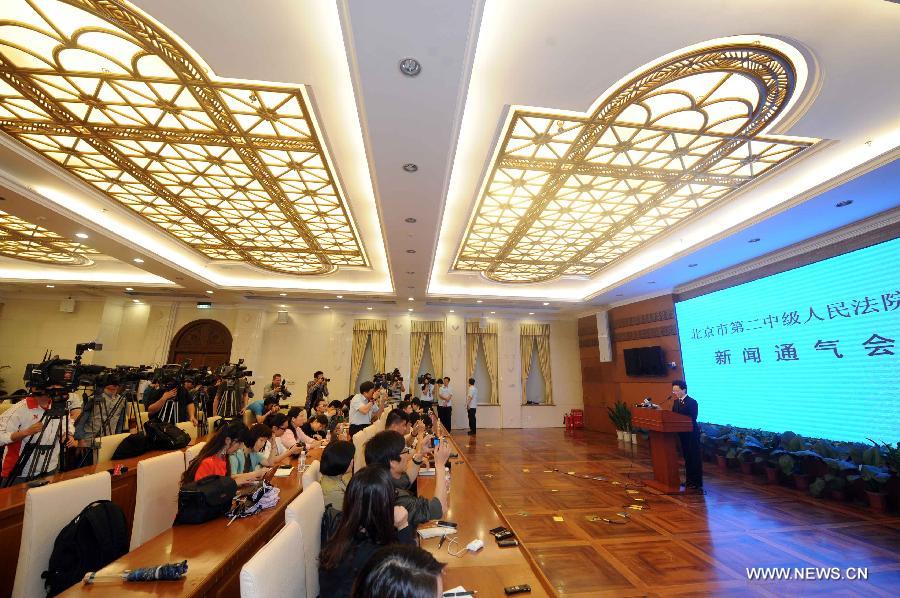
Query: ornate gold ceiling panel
pixel 568 195
pixel 235 170
pixel 26 241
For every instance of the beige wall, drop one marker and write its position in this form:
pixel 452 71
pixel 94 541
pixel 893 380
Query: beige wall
pixel 140 334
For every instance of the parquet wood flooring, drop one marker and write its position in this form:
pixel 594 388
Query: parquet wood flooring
pixel 691 545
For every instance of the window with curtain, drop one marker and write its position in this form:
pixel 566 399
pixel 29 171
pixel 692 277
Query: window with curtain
pixel 426 334
pixel 367 368
pixel 535 354
pixel 482 360
pixel 366 333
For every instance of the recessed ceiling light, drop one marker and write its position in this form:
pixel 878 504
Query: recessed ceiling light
pixel 410 67
pixel 410 309
pixel 493 312
pixel 138 260
pixel 410 251
pixel 51 286
pixel 452 311
pixel 135 300
pixel 410 167
pixel 369 308
pixel 410 220
pixel 619 295
pixel 326 307
pixel 410 272
pixel 692 265
pixel 754 240
pixel 282 306
pixel 546 303
pixel 340 296
pixel 410 299
pixel 209 292
pixel 282 294
pixel 128 289
pixel 479 301
pixel 531 313
pixel 651 282
pixel 81 235
pixel 843 204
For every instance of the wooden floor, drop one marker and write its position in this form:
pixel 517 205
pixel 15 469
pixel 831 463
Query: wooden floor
pixel 687 545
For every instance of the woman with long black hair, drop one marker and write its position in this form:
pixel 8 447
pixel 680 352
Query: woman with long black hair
pixel 369 521
pixel 213 458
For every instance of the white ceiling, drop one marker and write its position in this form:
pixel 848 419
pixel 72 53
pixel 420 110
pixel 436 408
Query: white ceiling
pixel 479 57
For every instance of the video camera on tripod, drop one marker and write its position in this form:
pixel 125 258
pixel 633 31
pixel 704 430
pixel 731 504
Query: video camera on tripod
pixel 173 375
pixel 231 402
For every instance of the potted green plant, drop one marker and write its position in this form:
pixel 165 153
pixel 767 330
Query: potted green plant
pixel 875 479
pixel 621 419
pixel 746 459
pixel 837 487
pixel 818 487
pixel 616 421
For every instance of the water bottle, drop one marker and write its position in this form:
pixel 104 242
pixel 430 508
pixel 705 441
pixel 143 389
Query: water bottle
pixel 302 465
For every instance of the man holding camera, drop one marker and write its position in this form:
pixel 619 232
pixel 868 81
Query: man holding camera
pixel 363 407
pixel 175 405
pixel 277 389
pixel 101 415
pixel 21 426
pixel 316 389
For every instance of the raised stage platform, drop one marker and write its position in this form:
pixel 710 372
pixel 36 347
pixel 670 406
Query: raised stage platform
pixel 689 544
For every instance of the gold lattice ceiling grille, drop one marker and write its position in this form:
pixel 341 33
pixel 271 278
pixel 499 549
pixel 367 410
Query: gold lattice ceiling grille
pixel 235 170
pixel 26 241
pixel 568 195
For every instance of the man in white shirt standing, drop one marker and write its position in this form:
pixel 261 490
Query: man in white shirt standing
pixel 471 405
pixel 363 407
pixel 445 408
pixel 427 398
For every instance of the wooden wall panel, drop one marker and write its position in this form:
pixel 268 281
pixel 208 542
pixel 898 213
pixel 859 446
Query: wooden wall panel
pixel 641 324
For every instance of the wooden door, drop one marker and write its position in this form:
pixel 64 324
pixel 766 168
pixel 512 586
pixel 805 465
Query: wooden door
pixel 204 342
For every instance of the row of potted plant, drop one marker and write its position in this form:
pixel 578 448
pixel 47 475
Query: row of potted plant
pixel 824 468
pixel 620 416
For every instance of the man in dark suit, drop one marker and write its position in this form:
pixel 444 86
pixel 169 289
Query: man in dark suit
pixel 690 441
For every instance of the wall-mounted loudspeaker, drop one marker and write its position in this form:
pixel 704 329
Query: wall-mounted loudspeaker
pixel 282 317
pixel 604 338
pixel 67 305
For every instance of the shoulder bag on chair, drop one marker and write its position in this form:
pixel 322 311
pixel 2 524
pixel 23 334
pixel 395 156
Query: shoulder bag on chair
pixel 205 499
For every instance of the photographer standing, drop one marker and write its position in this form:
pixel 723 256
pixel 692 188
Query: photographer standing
pixel 363 407
pixel 445 407
pixel 277 389
pixel 22 424
pixel 427 399
pixel 316 389
pixel 101 415
pixel 396 388
pixel 175 405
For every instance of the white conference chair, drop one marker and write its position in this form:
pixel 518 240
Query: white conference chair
pixel 359 443
pixel 306 510
pixel 311 474
pixel 158 481
pixel 108 446
pixel 211 423
pixel 48 509
pixel 191 452
pixel 279 555
pixel 188 427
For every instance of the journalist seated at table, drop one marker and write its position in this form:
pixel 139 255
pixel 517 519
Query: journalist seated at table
pixel 276 451
pixel 336 468
pixel 369 520
pixel 399 421
pixel 214 457
pixel 389 449
pixel 296 417
pixel 400 570
pixel 316 427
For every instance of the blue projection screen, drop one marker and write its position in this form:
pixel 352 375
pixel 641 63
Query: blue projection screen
pixel 812 350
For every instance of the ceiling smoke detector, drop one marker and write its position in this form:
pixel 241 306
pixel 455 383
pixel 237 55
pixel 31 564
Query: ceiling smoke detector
pixel 410 67
pixel 410 167
pixel 410 220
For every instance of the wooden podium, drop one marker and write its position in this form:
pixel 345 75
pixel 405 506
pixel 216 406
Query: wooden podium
pixel 663 426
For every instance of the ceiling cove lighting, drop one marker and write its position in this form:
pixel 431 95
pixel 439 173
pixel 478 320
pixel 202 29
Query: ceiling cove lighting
pixel 81 235
pixel 138 260
pixel 23 240
pixel 567 194
pixel 128 289
pixel 236 170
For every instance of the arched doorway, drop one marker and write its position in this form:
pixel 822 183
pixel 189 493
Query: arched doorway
pixel 204 342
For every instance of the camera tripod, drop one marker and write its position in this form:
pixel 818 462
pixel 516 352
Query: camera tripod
pixel 200 401
pixel 110 415
pixel 37 450
pixel 230 404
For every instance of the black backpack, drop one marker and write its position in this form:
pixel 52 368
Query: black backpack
pixel 331 521
pixel 95 538
pixel 205 499
pixel 165 436
pixel 133 445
